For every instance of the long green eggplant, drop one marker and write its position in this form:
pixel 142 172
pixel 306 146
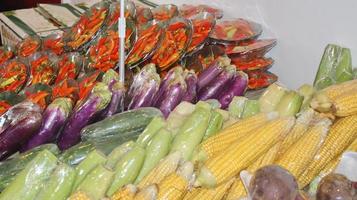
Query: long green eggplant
pixel 97 182
pixel 151 129
pixel 9 168
pixel 59 185
pixel 215 124
pixel 30 180
pixel 118 153
pixel 121 125
pixel 93 159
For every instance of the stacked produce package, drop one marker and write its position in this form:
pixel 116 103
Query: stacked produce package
pixel 180 126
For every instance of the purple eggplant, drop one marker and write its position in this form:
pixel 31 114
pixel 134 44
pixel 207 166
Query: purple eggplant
pixel 172 95
pixel 212 71
pixel 110 77
pixel 217 85
pixel 191 82
pixel 117 101
pixel 171 74
pixel 83 114
pixel 18 125
pixel 237 88
pixel 54 118
pixel 140 78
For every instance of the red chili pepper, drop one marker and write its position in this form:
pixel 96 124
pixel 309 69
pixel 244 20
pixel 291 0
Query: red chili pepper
pixel 86 85
pixel 13 76
pixel 4 106
pixel 54 44
pixel 66 89
pixel 143 15
pixel 5 55
pixel 39 98
pixel 42 71
pixel 28 46
pixel 201 30
pixel 164 13
pixel 256 64
pixel 67 69
pixel 260 79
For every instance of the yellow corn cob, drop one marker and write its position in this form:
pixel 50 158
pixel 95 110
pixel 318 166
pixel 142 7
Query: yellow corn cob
pixel 124 193
pixel 300 154
pixel 345 105
pixel 79 196
pixel 166 166
pixel 192 193
pixel 216 193
pixel 333 164
pixel 237 190
pixel 336 90
pixel 342 133
pixel 242 153
pixel 172 187
pixel 217 143
pixel 300 127
pixel 267 159
pixel 147 193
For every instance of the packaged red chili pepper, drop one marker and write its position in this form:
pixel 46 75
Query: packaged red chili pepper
pixel 252 50
pixel 114 12
pixel 13 76
pixel 7 52
pixel 164 12
pixel 39 93
pixel 104 52
pixel 43 68
pixel 86 84
pixel 54 43
pixel 143 15
pixel 252 65
pixel 150 36
pixel 178 34
pixel 87 27
pixel 8 99
pixel 28 46
pixel 235 30
pixel 203 24
pixel 260 79
pixel 188 11
pixel 69 66
pixel 66 88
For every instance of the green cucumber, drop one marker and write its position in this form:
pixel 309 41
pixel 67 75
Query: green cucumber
pixel 118 153
pixel 127 169
pixel 215 124
pixel 32 178
pixel 59 186
pixel 121 125
pixel 158 148
pixel 74 155
pixel 97 182
pixel 152 128
pixel 93 159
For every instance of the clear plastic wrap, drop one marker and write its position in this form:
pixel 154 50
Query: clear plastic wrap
pixel 67 88
pixel 164 12
pixel 143 15
pixel 69 66
pixel 8 99
pixel 188 11
pixel 28 46
pixel 43 68
pixel 6 53
pixel 38 93
pixel 54 43
pixel 261 64
pixel 261 79
pixel 13 75
pixel 87 27
pixel 114 12
pixel 251 49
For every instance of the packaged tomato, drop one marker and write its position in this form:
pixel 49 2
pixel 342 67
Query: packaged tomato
pixel 188 11
pixel 143 15
pixel 150 36
pixel 28 46
pixel 38 93
pixel 114 12
pixel 251 65
pixel 178 34
pixel 203 24
pixel 54 43
pixel 13 76
pixel 260 79
pixel 8 99
pixel 164 12
pixel 69 66
pixel 235 30
pixel 67 88
pixel 104 52
pixel 86 28
pixel 7 52
pixel 43 68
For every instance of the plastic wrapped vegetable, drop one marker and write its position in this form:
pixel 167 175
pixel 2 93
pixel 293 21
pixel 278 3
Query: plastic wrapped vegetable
pixel 191 132
pixel 86 84
pixel 215 87
pixel 172 95
pixel 69 66
pixel 59 185
pixel 237 88
pixel 30 180
pixel 203 24
pixel 54 118
pixel 38 93
pixel 28 46
pixel 18 125
pixel 147 85
pixel 344 66
pixel 191 83
pixel 118 153
pixel 236 107
pixel 13 76
pixel 8 99
pixel 335 187
pixel 6 53
pixel 42 68
pixel 251 108
pixel 178 116
pixel 114 12
pixel 97 101
pixel 215 124
pixel 289 104
pixel 273 182
pixel 271 97
pixel 117 101
pixel 68 88
pixel 212 71
pixel 164 12
pixel 54 43
pixel 143 15
pixel 149 132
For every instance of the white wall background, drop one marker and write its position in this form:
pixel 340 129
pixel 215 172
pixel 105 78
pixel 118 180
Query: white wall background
pixel 302 27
